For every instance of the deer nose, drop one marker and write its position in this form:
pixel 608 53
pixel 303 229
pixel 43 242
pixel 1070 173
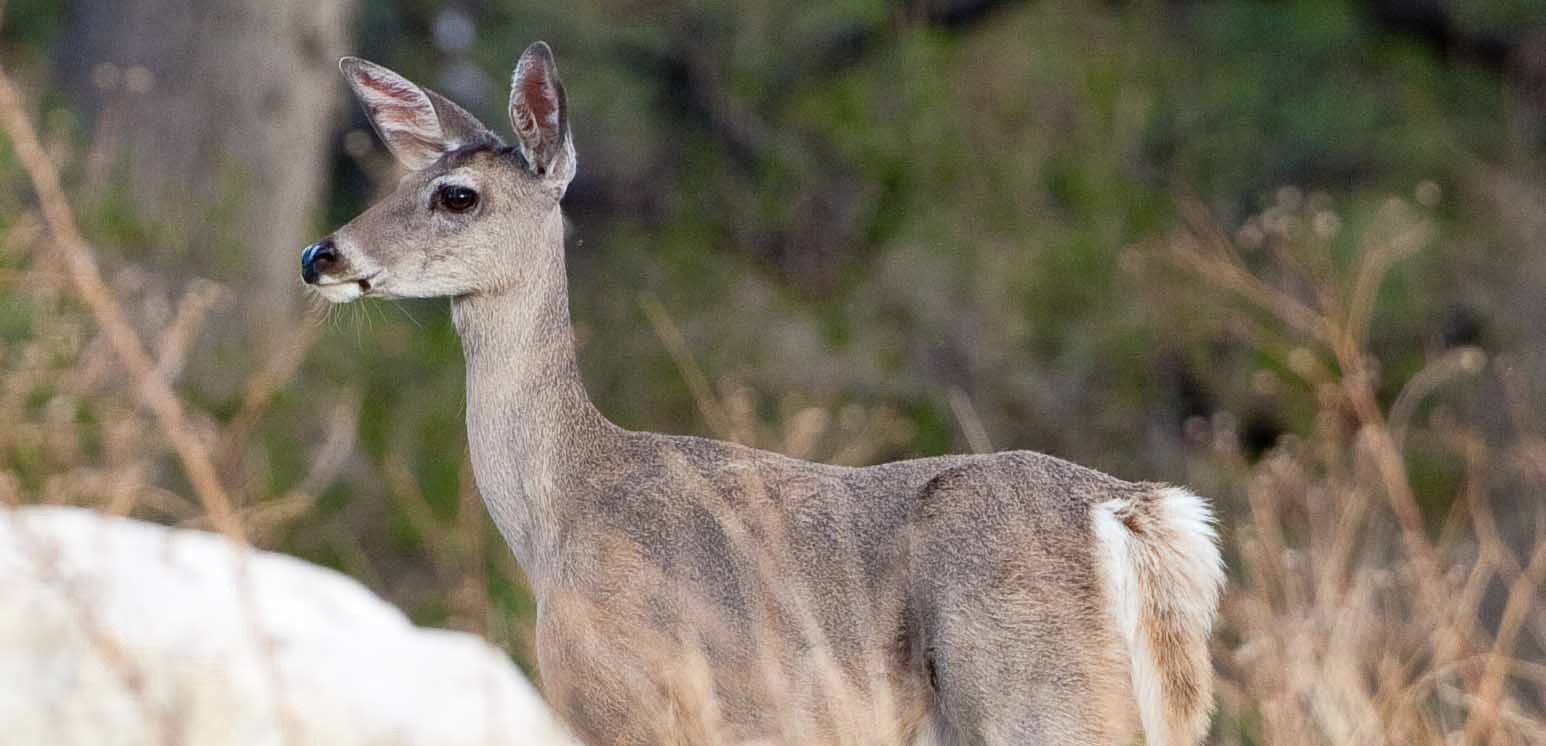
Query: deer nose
pixel 318 259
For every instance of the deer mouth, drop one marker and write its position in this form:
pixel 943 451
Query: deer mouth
pixel 343 291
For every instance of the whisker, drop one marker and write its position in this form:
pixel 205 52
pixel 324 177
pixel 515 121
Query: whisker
pixel 359 337
pixel 404 310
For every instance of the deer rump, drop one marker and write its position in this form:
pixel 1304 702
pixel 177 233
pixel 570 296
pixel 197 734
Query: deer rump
pixel 1055 604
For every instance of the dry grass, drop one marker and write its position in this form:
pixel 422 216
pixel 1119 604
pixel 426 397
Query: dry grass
pixel 58 340
pixel 1355 615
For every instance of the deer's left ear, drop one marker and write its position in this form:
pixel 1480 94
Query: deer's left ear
pixel 540 116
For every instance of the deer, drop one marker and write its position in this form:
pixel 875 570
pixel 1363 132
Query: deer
pixel 693 590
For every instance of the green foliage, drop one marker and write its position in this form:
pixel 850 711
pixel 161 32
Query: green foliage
pixel 849 202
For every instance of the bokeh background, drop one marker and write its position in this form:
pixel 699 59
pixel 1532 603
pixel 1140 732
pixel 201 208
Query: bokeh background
pixel 1292 254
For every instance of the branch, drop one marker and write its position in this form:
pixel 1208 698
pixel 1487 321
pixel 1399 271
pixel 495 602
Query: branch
pixel 149 385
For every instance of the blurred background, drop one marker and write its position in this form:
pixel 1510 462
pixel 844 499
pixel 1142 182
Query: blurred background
pixel 1292 254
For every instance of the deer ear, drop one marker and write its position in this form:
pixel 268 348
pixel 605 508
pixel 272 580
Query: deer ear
pixel 417 124
pixel 540 115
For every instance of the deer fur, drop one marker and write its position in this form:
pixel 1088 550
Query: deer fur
pixel 691 590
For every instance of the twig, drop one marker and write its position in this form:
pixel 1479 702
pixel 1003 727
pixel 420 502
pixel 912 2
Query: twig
pixel 971 424
pixel 671 336
pixel 1211 256
pixel 87 280
pixel 1491 692
pixel 192 310
pixel 260 390
pixel 1452 365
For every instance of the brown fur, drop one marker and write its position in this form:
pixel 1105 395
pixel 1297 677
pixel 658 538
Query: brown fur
pixel 691 590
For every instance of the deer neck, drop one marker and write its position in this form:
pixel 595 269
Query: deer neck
pixel 530 425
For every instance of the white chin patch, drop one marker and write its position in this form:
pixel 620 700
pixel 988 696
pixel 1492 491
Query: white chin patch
pixel 341 292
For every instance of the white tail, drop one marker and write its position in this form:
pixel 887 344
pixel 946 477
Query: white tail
pixel 1161 561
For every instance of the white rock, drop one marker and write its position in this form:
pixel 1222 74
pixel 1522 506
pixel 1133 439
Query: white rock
pixel 115 632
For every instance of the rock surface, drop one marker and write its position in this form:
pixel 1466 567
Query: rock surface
pixel 116 632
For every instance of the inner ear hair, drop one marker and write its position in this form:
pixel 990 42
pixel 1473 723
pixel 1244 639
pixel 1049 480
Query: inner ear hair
pixel 462 129
pixel 538 109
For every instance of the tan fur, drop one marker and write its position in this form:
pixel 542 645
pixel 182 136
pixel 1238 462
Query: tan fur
pixel 695 591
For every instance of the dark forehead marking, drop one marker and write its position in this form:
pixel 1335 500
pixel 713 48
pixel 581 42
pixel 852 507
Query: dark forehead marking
pixel 469 153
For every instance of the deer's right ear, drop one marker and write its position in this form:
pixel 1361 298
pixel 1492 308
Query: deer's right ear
pixel 417 125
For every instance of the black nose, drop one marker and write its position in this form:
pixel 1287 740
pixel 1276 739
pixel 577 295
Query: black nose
pixel 318 259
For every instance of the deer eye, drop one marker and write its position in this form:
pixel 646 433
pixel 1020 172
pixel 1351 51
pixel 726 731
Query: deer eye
pixel 457 198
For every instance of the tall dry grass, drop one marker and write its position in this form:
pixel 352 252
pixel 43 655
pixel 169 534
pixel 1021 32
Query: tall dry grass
pixel 1359 612
pixel 85 346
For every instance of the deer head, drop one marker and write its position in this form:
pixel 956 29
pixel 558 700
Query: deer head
pixel 472 215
